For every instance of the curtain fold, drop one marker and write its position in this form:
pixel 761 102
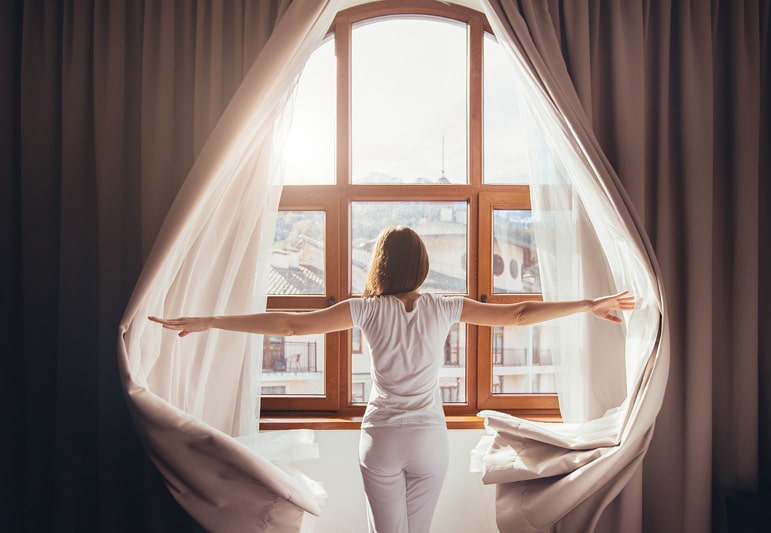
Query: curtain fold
pixel 675 97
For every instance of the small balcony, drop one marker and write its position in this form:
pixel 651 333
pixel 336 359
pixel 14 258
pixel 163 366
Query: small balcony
pixel 290 357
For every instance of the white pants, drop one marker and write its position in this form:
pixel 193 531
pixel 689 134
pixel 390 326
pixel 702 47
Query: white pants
pixel 403 469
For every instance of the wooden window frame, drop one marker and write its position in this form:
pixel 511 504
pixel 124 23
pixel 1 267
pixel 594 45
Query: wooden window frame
pixel 335 200
pixel 525 404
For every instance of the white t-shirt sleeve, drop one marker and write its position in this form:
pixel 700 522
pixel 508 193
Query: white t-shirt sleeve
pixel 360 311
pixel 451 307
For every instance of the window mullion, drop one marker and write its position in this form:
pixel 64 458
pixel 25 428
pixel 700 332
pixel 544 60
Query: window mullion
pixel 475 155
pixel 341 373
pixel 483 364
pixel 475 91
pixel 343 36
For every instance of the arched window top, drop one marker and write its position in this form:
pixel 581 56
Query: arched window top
pixel 420 8
pixel 416 86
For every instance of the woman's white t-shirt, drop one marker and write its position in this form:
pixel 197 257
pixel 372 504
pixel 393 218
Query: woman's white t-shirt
pixel 407 351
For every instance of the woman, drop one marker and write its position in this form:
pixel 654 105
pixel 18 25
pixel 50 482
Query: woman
pixel 403 448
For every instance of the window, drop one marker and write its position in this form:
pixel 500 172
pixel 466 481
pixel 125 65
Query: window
pixel 273 389
pixel 452 347
pixel 498 345
pixel 450 392
pixel 498 385
pixel 356 340
pixel 358 392
pixel 413 95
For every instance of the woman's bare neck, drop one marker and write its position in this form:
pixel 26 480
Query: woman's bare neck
pixel 408 299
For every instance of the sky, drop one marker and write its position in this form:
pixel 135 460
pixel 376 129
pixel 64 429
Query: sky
pixel 408 108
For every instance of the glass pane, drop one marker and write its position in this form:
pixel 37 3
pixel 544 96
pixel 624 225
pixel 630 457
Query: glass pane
pixel 515 258
pixel 522 360
pixel 310 144
pixel 298 258
pixel 408 101
pixel 293 366
pixel 452 376
pixel 361 382
pixel 443 226
pixel 505 137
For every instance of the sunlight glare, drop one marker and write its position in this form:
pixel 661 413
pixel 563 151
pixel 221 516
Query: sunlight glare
pixel 310 145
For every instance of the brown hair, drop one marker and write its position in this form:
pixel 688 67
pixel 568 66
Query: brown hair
pixel 399 263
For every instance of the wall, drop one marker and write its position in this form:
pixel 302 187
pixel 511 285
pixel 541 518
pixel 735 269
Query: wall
pixel 465 504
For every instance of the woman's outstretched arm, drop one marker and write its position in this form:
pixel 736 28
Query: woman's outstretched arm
pixel 335 318
pixel 524 313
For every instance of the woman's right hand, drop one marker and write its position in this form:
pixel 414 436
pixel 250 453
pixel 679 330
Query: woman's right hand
pixel 185 325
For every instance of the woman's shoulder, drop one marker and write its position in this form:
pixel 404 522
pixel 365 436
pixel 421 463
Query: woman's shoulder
pixel 449 305
pixel 443 298
pixel 368 302
pixel 439 301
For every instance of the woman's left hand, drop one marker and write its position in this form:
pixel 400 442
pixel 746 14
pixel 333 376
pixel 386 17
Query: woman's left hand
pixel 605 306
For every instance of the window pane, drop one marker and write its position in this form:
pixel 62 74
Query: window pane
pixel 298 258
pixel 515 258
pixel 310 144
pixel 522 361
pixel 443 226
pixel 293 366
pixel 361 382
pixel 505 137
pixel 452 376
pixel 408 101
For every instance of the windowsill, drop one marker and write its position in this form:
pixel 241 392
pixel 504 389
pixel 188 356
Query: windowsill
pixel 269 423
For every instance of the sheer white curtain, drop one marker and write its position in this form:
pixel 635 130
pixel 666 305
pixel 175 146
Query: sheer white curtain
pixel 190 397
pixel 586 249
pixel 610 378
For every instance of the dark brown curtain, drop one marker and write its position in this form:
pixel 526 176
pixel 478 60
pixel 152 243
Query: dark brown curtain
pixel 676 95
pixel 104 105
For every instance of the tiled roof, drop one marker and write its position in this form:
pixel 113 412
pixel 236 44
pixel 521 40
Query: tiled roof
pixel 438 282
pixel 361 257
pixel 294 281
